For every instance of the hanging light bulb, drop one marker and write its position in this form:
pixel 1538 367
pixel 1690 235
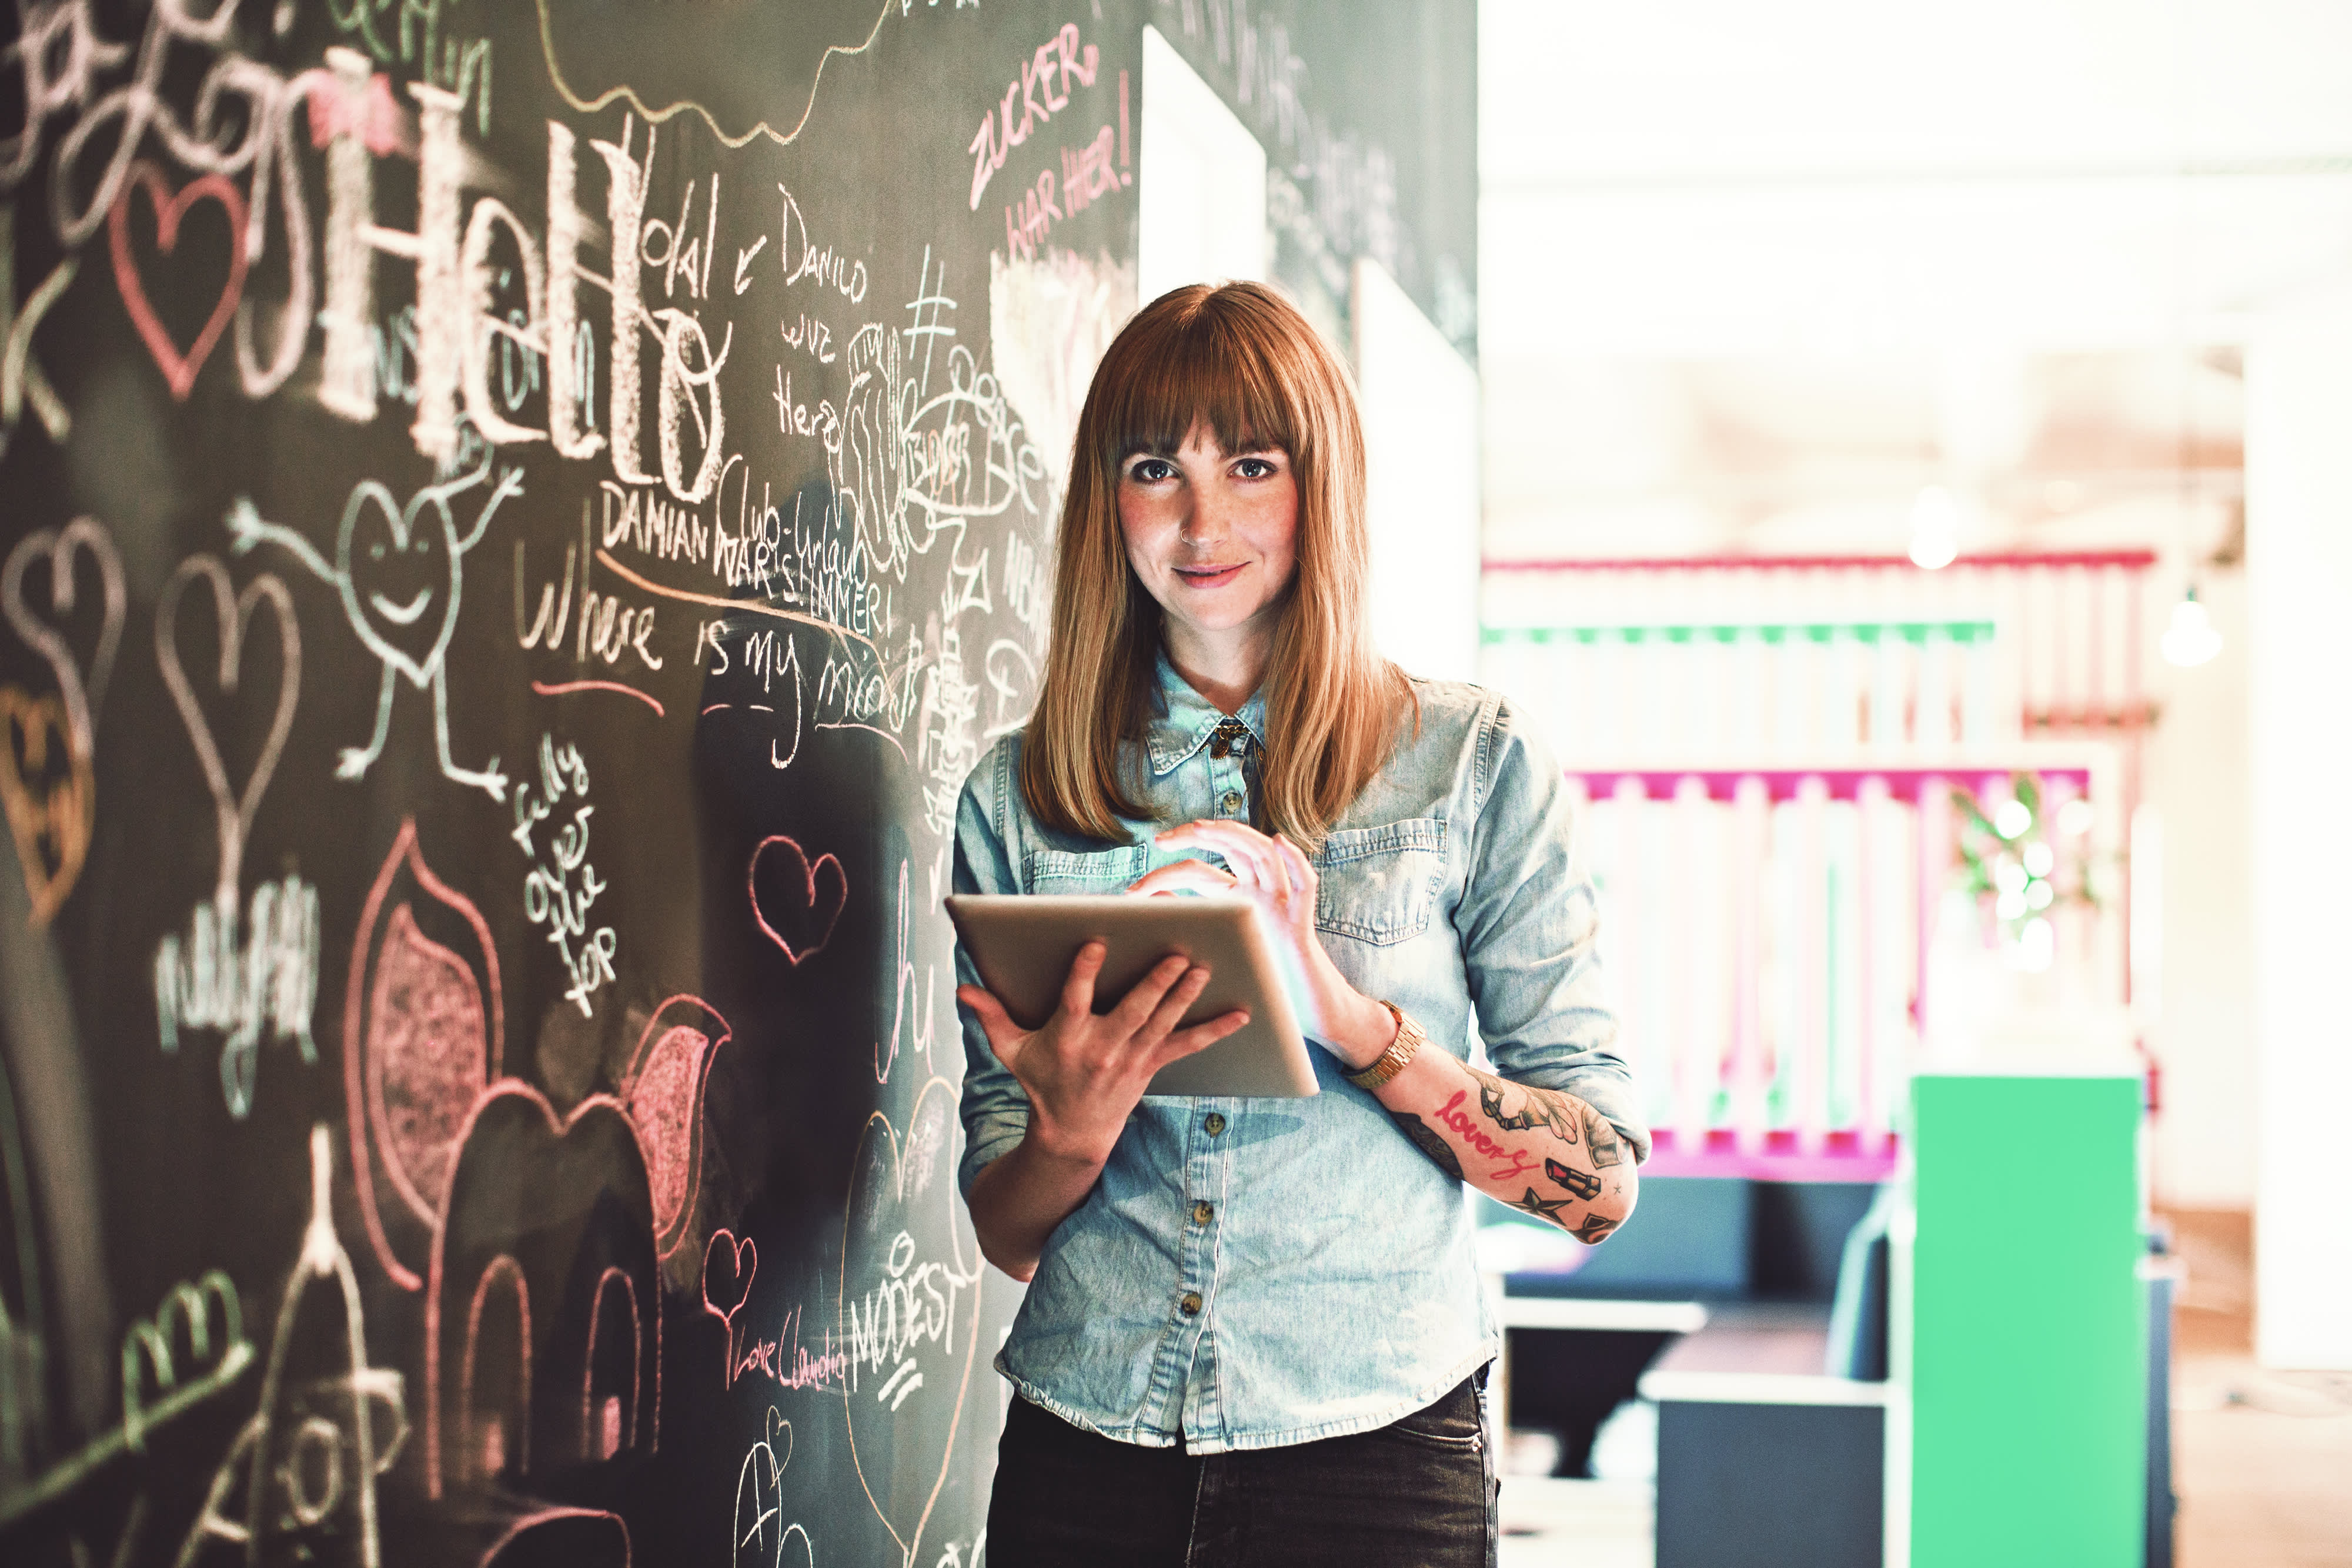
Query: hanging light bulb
pixel 1935 528
pixel 2190 639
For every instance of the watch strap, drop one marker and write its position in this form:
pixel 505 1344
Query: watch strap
pixel 1401 1050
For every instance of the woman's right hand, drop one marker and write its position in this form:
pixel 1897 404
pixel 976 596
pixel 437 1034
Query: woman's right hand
pixel 1084 1072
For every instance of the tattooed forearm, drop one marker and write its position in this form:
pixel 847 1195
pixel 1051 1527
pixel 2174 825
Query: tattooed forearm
pixel 1424 1138
pixel 1592 1228
pixel 1569 1177
pixel 1607 1148
pixel 1546 1108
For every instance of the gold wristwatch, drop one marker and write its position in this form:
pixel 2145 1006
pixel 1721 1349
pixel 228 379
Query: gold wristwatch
pixel 1401 1050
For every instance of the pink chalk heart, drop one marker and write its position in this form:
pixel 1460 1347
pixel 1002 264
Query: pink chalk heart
pixel 179 369
pixel 727 1267
pixel 795 901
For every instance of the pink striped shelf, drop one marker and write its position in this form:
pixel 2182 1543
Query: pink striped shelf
pixel 1840 1157
pixel 2013 561
pixel 1784 783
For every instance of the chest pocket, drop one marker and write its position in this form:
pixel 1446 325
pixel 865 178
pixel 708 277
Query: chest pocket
pixel 1380 885
pixel 1101 870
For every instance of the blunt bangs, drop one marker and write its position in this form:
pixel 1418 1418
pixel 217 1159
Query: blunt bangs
pixel 1209 364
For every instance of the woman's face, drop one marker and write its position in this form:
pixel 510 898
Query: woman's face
pixel 1214 538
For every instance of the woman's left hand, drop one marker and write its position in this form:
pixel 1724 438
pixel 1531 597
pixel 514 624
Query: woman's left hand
pixel 1277 876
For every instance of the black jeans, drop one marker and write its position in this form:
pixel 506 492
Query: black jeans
pixel 1417 1494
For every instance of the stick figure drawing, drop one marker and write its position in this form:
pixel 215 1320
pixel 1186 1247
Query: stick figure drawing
pixel 385 571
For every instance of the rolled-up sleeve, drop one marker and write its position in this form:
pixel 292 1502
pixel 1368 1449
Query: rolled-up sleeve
pixel 1529 924
pixel 994 1108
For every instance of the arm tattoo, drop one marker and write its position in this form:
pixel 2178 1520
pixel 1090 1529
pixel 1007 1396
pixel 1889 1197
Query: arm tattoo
pixel 1607 1148
pixel 1424 1138
pixel 1592 1228
pixel 1587 1187
pixel 1544 1208
pixel 1546 1108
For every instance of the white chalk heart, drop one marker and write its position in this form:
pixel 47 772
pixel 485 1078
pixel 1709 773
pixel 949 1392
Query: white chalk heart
pixel 233 809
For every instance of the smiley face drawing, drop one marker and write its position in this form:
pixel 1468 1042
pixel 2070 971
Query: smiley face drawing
pixel 401 571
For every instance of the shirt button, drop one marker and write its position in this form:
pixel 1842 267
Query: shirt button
pixel 1233 803
pixel 1212 1124
pixel 1202 1213
pixel 1191 1304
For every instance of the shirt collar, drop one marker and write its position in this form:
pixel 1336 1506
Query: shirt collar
pixel 1186 720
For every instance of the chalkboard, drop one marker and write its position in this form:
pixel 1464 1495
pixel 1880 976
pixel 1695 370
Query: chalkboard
pixel 515 520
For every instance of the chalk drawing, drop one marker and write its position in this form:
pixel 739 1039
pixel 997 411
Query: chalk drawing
pixel 179 369
pixel 53 827
pixel 796 900
pixel 899 1302
pixel 590 1537
pixel 662 1089
pixel 222 978
pixel 562 884
pixel 760 1533
pixel 233 615
pixel 301 1480
pixel 624 93
pixel 388 589
pixel 21 376
pixel 424 1033
pixel 728 1265
pixel 190 1349
pixel 591 1203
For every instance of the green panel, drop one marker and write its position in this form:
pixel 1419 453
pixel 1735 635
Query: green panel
pixel 2029 1358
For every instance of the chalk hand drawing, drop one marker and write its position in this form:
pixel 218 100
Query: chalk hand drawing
pixel 222 978
pixel 762 1532
pixel 424 1033
pixel 300 1483
pixel 910 1311
pixel 525 1369
pixel 50 794
pixel 179 369
pixel 192 1348
pixel 796 901
pixel 728 1268
pixel 663 1091
pixel 388 579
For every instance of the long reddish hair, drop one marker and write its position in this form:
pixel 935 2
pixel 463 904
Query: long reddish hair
pixel 1243 360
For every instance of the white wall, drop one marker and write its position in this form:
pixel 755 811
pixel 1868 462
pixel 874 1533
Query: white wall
pixel 2203 1035
pixel 1420 402
pixel 2299 754
pixel 1201 204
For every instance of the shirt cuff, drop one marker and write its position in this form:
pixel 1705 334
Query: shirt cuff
pixel 991 1139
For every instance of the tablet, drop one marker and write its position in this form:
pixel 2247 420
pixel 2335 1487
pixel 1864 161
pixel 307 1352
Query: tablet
pixel 1022 947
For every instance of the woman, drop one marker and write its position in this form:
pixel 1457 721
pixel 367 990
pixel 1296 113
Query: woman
pixel 1254 1330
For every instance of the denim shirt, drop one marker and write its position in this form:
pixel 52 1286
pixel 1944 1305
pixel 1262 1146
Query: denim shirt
pixel 1255 1272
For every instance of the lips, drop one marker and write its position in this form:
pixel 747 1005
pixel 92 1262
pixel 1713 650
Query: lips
pixel 1208 576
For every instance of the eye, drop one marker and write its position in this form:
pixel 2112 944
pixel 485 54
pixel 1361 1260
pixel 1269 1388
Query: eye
pixel 1150 470
pixel 1254 468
